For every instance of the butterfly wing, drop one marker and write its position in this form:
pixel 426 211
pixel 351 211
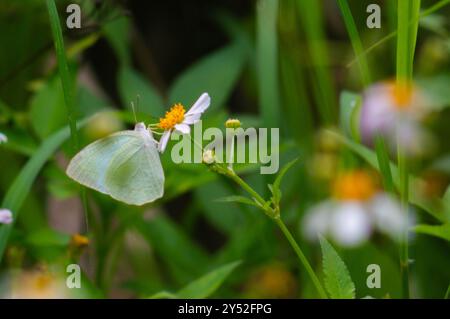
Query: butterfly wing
pixel 89 166
pixel 135 175
pixel 124 165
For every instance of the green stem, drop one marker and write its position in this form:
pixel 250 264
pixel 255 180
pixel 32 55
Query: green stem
pixel 302 257
pixel 247 187
pixel 404 254
pixel 284 229
pixel 447 294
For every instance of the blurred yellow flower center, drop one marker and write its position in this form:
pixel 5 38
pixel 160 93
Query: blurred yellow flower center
pixel 355 185
pixel 80 240
pixel 42 281
pixel 401 94
pixel 173 117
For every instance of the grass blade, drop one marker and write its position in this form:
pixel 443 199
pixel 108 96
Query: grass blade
pixel 267 55
pixel 310 14
pixel 355 40
pixel 383 163
pixel 63 67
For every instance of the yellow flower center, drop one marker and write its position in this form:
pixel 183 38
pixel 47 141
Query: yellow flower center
pixel 174 116
pixel 401 94
pixel 355 185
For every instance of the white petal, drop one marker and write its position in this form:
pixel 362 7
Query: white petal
pixel 183 128
pixel 350 223
pixel 163 141
pixel 200 105
pixel 388 215
pixel 192 118
pixel 3 138
pixel 5 216
pixel 316 220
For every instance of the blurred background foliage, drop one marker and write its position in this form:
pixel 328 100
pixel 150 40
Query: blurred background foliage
pixel 270 64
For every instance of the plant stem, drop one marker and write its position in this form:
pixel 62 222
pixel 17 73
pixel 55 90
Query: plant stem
pixel 302 257
pixel 404 254
pixel 247 187
pixel 284 229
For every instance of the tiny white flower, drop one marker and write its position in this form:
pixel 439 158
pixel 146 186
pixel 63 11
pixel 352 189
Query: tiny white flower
pixel 5 216
pixel 3 138
pixel 176 119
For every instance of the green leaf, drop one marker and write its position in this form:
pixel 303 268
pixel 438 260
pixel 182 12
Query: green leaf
pixel 17 193
pixel 338 282
pixel 206 285
pixel 216 74
pixel 275 188
pixel 440 231
pixel 131 85
pixel 350 105
pixel 47 237
pixel 46 112
pixel 117 33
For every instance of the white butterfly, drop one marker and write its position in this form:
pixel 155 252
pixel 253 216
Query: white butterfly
pixel 125 165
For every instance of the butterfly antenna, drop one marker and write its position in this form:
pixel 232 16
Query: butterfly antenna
pixel 134 112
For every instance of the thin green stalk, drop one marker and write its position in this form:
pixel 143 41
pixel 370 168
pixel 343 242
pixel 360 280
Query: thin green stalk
pixel 267 59
pixel 64 73
pixel 407 11
pixel 404 253
pixel 384 164
pixel 447 294
pixel 302 257
pixel 68 89
pixel 325 95
pixel 355 40
pixel 285 231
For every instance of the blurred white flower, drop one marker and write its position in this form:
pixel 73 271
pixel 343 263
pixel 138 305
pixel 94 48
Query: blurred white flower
pixel 3 138
pixel 395 111
pixel 5 216
pixel 36 284
pixel 354 212
pixel 175 119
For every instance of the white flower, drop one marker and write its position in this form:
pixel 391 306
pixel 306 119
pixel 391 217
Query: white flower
pixel 389 217
pixel 355 211
pixel 5 216
pixel 3 138
pixel 395 111
pixel 176 119
pixel 350 223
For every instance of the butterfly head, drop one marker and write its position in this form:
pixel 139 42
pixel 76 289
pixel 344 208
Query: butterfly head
pixel 140 127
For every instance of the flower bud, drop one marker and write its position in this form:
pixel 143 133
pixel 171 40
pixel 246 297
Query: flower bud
pixel 233 123
pixel 208 157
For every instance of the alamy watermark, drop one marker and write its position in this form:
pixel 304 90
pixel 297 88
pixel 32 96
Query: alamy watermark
pixel 235 145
